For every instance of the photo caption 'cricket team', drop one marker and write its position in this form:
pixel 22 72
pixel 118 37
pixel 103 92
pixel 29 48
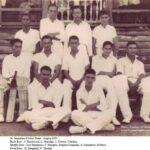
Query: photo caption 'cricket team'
pixel 75 75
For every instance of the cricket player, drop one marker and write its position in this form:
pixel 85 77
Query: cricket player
pixel 54 28
pixel 81 29
pixel 74 66
pixel 105 66
pixel 47 58
pixel 103 32
pixel 131 76
pixel 30 37
pixel 92 113
pixel 46 103
pixel 18 65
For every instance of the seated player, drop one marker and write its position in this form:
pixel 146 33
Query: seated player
pixel 131 75
pixel 74 65
pixel 45 103
pixel 16 66
pixel 92 113
pixel 48 58
pixel 105 66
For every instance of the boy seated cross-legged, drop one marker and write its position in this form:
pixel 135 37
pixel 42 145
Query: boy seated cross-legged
pixel 92 114
pixel 45 103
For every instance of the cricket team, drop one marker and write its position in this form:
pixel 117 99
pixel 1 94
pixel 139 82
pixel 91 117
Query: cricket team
pixel 61 74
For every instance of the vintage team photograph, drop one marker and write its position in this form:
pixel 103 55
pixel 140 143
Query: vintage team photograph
pixel 74 67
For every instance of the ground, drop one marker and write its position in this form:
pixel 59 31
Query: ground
pixel 136 128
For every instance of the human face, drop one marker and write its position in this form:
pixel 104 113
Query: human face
pixel 77 15
pixel 45 76
pixel 132 50
pixel 26 20
pixel 107 49
pixel 74 43
pixel 47 43
pixel 104 19
pixel 89 80
pixel 16 48
pixel 53 12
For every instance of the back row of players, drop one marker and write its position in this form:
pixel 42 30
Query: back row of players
pixel 88 67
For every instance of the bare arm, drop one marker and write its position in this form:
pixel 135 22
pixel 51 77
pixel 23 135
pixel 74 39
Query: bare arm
pixel 56 73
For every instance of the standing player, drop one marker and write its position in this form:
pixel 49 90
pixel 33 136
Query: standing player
pixel 103 32
pixel 30 37
pixel 81 29
pixel 54 28
pixel 19 65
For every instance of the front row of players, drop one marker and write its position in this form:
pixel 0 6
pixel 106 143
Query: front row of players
pixel 98 90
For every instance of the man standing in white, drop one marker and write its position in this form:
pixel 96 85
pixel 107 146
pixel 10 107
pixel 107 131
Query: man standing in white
pixel 103 32
pixel 46 106
pixel 105 67
pixel 81 29
pixel 130 74
pixel 47 58
pixel 30 37
pixel 20 63
pixel 92 113
pixel 54 28
pixel 74 65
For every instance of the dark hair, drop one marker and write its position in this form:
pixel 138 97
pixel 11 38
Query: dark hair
pixel 47 68
pixel 108 43
pixel 73 37
pixel 52 5
pixel 76 7
pixel 25 14
pixel 13 41
pixel 90 71
pixel 103 12
pixel 131 43
pixel 46 37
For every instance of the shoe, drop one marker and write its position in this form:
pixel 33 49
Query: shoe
pixel 109 127
pixel 1 118
pixel 38 126
pixel 116 122
pixel 76 129
pixel 126 120
pixel 55 126
pixel 146 119
pixel 20 118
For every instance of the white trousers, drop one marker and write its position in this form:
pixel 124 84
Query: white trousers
pixel 120 83
pixel 43 115
pixel 67 100
pixel 106 84
pixel 121 87
pixel 144 88
pixel 93 120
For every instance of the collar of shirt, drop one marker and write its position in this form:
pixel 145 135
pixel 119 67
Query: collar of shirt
pixel 54 21
pixel 135 61
pixel 81 23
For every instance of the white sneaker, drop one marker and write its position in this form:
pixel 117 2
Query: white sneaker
pixel 20 118
pixel 55 126
pixel 38 126
pixel 76 129
pixel 126 120
pixel 1 118
pixel 109 127
pixel 146 119
pixel 116 122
